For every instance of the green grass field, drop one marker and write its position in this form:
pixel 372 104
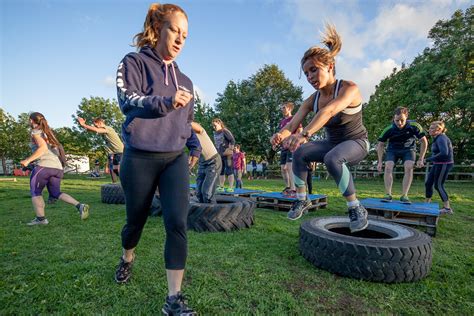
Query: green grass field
pixel 67 267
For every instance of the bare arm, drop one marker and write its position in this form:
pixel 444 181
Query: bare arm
pixel 380 151
pixel 196 127
pixel 40 151
pixel 423 147
pixel 349 95
pixel 297 119
pixel 295 122
pixel 99 130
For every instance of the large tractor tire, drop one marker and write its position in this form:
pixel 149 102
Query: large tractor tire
pixel 228 214
pixel 112 194
pixel 384 252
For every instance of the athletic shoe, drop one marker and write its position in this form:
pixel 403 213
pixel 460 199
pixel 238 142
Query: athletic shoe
pixel 405 200
pixel 285 191
pixel 84 211
pixel 446 210
pixel 230 190
pixel 220 189
pixel 177 305
pixel 387 198
pixel 124 271
pixel 358 217
pixel 36 221
pixel 291 194
pixel 298 208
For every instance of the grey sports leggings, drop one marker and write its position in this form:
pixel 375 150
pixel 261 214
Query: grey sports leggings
pixel 140 173
pixel 336 157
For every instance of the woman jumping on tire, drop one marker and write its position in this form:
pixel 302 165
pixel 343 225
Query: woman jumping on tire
pixel 338 107
pixel 156 98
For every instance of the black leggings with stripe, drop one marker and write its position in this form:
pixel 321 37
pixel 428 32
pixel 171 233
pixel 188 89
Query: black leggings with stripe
pixel 140 173
pixel 336 157
pixel 437 176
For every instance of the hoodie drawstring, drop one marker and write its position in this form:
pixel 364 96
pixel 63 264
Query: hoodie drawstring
pixel 174 75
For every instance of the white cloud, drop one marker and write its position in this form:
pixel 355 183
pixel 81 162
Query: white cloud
pixel 403 21
pixel 367 76
pixel 109 81
pixel 377 36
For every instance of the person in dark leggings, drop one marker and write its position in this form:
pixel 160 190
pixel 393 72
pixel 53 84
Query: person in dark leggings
pixel 443 161
pixel 48 171
pixel 156 98
pixel 338 107
pixel 224 142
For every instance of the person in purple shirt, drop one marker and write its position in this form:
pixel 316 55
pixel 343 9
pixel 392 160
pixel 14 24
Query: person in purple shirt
pixel 286 156
pixel 156 98
pixel 442 159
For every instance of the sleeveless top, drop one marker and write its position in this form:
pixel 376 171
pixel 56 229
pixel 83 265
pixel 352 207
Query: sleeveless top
pixel 345 125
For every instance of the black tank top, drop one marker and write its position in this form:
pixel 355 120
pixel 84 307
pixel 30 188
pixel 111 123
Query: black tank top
pixel 345 125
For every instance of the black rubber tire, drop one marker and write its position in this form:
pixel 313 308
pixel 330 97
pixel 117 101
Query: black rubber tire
pixel 112 194
pixel 404 254
pixel 228 214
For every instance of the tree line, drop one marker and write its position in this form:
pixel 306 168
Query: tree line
pixel 438 84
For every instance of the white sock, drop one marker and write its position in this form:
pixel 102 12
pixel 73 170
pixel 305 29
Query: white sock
pixel 353 203
pixel 301 196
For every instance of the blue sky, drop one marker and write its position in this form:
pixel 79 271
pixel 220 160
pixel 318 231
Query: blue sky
pixel 54 53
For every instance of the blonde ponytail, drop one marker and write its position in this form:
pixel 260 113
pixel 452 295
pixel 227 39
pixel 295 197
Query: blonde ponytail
pixel 333 42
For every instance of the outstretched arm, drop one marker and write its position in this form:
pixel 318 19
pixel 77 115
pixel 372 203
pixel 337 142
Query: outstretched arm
pixel 99 130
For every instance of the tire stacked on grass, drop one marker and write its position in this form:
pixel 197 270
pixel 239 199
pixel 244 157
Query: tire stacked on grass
pixel 112 194
pixel 384 252
pixel 228 214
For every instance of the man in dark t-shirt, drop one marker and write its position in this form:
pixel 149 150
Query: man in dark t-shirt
pixel 401 136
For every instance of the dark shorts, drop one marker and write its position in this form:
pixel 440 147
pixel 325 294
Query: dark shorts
pixel 286 157
pixel 46 177
pixel 404 154
pixel 227 166
pixel 114 159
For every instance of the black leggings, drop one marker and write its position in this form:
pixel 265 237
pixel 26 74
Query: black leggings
pixel 437 176
pixel 336 157
pixel 140 173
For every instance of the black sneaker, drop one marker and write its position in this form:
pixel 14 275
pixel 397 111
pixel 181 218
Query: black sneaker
pixel 387 198
pixel 298 209
pixel 124 271
pixel 358 217
pixel 177 305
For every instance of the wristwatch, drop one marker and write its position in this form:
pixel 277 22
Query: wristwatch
pixel 306 135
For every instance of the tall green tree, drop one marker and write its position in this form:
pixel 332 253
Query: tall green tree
pixel 438 84
pixel 250 108
pixel 203 114
pixel 14 138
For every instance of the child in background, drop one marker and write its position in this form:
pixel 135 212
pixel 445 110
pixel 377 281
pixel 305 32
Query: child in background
pixel 239 163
